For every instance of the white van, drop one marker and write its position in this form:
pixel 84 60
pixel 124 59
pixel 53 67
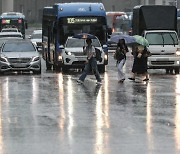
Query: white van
pixel 165 49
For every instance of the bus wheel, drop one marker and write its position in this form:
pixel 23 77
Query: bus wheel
pixel 65 69
pixel 56 68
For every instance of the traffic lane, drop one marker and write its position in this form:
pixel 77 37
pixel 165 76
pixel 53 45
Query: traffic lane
pixel 50 113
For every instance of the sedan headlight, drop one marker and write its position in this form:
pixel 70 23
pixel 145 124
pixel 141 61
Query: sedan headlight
pixel 35 58
pixel 3 59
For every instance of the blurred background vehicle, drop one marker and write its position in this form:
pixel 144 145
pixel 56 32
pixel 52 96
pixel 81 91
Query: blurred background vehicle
pixel 19 55
pixel 113 45
pixel 36 38
pixel 11 34
pixel 10 30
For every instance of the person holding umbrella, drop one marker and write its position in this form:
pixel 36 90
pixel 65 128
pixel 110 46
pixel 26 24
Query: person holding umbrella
pixel 91 63
pixel 140 54
pixel 120 56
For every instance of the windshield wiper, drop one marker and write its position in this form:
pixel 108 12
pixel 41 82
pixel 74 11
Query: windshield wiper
pixel 172 39
pixel 162 38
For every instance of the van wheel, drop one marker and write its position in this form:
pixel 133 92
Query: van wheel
pixel 167 71
pixel 176 70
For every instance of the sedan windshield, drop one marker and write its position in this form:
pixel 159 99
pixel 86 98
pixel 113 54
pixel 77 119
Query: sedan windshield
pixel 161 38
pixel 36 36
pixel 18 47
pixel 81 42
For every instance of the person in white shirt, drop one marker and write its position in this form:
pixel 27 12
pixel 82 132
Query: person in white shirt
pixel 91 63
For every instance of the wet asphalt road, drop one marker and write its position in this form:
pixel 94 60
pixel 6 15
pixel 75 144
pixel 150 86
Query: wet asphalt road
pixel 51 114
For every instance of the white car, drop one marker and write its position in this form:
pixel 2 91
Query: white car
pixel 36 38
pixel 19 55
pixel 10 30
pixel 73 57
pixel 11 34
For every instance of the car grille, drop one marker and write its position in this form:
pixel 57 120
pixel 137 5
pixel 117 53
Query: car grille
pixel 19 60
pixel 162 62
pixel 78 53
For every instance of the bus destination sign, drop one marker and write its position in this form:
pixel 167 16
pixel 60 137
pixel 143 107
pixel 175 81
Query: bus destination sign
pixel 84 20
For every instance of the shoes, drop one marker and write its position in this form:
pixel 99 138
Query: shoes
pixel 121 81
pixel 131 79
pixel 146 79
pixel 80 81
pixel 99 83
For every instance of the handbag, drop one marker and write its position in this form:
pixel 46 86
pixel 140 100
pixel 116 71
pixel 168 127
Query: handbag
pixel 98 55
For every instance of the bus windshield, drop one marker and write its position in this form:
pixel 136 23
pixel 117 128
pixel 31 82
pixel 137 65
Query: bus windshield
pixel 74 25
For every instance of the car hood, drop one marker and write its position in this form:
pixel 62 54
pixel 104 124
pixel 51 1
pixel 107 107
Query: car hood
pixel 78 49
pixel 159 49
pixel 20 54
pixel 36 40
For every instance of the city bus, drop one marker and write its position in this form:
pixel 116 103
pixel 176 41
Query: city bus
pixel 13 20
pixel 119 21
pixel 178 22
pixel 63 20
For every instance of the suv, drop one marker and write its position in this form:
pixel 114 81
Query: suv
pixel 73 57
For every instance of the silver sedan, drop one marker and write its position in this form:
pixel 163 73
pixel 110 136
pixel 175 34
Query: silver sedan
pixel 19 56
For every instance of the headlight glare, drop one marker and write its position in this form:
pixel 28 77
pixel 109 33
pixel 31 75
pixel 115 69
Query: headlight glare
pixel 3 59
pixel 178 52
pixel 35 58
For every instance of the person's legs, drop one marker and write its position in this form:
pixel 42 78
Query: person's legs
pixel 121 75
pixel 95 69
pixel 85 72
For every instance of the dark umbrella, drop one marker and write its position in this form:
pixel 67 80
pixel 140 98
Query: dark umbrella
pixel 128 39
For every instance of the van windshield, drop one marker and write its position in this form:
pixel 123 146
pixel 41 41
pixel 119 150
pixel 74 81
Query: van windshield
pixel 162 38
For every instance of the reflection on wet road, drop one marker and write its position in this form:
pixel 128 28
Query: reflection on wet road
pixel 51 114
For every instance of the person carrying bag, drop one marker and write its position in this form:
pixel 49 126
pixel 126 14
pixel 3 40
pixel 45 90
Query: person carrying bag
pixel 120 57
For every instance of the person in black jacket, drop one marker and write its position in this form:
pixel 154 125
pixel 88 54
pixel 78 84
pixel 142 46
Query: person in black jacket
pixel 121 51
pixel 141 55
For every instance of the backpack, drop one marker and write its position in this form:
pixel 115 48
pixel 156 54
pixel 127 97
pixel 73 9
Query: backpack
pixel 119 55
pixel 98 55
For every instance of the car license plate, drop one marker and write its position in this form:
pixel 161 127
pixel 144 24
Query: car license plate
pixel 162 59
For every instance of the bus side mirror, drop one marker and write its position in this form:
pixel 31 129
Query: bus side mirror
pixel 61 47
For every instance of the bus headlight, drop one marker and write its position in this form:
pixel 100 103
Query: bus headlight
pixel 59 58
pixel 105 57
